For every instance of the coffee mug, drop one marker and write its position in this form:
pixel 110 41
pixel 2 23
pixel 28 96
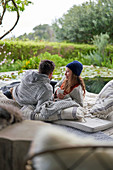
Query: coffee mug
pixel 60 91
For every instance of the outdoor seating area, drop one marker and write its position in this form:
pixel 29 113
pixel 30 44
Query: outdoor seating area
pixel 56 85
pixel 27 142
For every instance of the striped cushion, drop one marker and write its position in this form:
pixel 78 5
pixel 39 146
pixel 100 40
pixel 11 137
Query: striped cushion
pixel 104 103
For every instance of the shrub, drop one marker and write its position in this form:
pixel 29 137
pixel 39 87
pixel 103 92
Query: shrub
pixel 99 56
pixel 58 60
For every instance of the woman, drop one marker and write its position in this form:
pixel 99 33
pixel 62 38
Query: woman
pixel 72 84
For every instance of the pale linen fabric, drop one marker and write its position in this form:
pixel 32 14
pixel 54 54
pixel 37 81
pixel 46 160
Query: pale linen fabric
pixel 51 138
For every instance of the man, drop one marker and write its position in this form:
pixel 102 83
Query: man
pixel 35 87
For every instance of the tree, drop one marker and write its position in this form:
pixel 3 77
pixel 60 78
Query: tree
pixel 41 32
pixel 12 5
pixel 83 22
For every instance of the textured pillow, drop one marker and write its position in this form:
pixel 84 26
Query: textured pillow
pixel 104 103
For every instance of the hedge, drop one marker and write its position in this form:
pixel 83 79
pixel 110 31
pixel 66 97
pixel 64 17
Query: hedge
pixel 26 49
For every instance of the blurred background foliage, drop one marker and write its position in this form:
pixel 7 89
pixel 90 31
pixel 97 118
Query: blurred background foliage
pixel 78 25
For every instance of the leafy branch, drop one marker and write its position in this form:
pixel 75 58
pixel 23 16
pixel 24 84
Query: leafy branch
pixel 15 5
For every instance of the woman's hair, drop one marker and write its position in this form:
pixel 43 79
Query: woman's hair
pixel 81 81
pixel 46 67
pixel 70 83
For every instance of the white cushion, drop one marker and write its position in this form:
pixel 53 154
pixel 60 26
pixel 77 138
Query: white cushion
pixel 90 125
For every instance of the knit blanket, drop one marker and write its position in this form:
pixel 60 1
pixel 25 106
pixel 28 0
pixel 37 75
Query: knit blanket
pixel 50 111
pixel 50 108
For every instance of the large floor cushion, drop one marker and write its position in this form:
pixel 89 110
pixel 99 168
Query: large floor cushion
pixel 89 125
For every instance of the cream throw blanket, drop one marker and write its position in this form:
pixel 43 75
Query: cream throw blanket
pixel 50 111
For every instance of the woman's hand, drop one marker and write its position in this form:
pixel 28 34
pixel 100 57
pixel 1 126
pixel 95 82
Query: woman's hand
pixel 60 96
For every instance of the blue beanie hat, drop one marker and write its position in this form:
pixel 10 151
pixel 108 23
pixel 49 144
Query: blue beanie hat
pixel 76 67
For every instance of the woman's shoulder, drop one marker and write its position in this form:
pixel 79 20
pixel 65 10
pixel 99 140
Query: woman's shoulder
pixel 77 87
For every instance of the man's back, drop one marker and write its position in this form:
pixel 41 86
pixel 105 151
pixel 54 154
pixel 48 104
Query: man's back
pixel 34 89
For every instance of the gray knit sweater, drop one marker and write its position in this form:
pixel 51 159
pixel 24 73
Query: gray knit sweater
pixel 34 89
pixel 76 94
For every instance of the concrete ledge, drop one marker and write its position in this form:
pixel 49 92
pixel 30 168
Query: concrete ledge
pixel 15 141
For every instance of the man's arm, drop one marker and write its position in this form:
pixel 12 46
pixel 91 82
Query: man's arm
pixel 45 96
